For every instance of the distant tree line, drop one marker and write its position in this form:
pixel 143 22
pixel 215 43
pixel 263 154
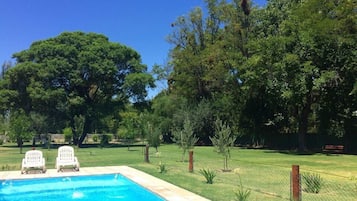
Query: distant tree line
pixel 281 76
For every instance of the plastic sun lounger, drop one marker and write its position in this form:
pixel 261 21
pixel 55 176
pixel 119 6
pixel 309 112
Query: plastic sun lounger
pixel 66 158
pixel 33 159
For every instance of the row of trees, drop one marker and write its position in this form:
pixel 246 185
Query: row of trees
pixel 288 69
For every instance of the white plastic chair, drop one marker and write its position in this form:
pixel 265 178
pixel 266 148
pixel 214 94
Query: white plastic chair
pixel 66 158
pixel 33 159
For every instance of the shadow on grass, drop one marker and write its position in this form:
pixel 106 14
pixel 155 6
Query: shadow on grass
pixel 305 153
pixel 292 152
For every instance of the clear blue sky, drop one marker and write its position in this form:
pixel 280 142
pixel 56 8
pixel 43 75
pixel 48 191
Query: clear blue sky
pixel 140 24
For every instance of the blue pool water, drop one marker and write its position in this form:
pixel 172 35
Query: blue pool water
pixel 107 187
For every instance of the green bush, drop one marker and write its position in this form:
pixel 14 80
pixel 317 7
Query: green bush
pixel 242 194
pixel 67 132
pixel 1 141
pixel 208 174
pixel 312 182
pixel 95 138
pixel 105 139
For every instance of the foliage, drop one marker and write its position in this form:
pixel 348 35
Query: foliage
pixel 75 74
pixel 20 128
pixel 185 138
pixel 313 182
pixel 130 126
pixel 162 167
pixel 242 194
pixel 67 132
pixel 265 71
pixel 95 138
pixel 105 139
pixel 223 140
pixel 208 174
pixel 269 70
pixel 153 136
pixel 4 124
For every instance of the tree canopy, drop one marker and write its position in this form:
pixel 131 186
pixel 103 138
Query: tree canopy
pixel 282 75
pixel 75 74
pixel 287 68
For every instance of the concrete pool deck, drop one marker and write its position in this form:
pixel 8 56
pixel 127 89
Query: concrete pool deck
pixel 166 190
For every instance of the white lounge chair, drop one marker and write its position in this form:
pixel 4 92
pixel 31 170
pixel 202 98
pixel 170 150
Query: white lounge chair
pixel 33 160
pixel 66 158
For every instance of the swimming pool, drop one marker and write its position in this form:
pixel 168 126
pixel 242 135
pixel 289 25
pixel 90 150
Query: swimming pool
pixel 107 187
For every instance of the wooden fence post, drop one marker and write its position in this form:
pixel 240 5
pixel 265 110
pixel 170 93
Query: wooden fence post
pixel 147 153
pixel 295 183
pixel 190 165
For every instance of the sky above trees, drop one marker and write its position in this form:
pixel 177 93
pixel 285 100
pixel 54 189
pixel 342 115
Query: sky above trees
pixel 141 25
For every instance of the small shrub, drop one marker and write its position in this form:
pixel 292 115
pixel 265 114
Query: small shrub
pixel 312 181
pixel 1 141
pixel 105 139
pixel 162 167
pixel 242 194
pixel 208 174
pixel 67 132
pixel 95 138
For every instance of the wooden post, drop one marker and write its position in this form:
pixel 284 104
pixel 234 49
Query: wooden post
pixel 147 153
pixel 190 165
pixel 295 183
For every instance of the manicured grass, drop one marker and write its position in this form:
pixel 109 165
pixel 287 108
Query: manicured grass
pixel 266 173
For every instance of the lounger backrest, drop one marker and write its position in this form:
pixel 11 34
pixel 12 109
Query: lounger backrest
pixel 33 156
pixel 66 153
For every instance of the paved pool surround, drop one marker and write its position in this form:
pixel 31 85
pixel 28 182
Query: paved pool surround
pixel 166 190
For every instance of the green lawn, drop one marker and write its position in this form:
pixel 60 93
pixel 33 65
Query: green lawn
pixel 266 173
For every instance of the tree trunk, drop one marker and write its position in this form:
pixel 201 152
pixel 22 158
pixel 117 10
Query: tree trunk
pixel 225 162
pixel 19 144
pixel 86 130
pixel 303 124
pixel 74 132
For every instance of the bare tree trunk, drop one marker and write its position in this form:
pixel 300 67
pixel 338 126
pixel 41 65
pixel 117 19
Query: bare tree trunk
pixel 303 124
pixel 86 129
pixel 74 131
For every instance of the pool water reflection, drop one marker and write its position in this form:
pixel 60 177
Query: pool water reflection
pixel 107 187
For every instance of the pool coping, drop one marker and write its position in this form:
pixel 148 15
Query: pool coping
pixel 160 187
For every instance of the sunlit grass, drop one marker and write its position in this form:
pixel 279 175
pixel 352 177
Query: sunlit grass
pixel 266 173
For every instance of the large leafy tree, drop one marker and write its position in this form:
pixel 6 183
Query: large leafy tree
pixel 304 61
pixel 206 58
pixel 288 67
pixel 320 59
pixel 76 74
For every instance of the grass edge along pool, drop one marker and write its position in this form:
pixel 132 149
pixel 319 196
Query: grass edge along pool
pixel 104 187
